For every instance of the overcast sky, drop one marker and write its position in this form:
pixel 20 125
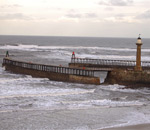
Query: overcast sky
pixel 95 18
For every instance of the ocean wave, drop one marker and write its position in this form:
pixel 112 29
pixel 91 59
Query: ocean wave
pixel 103 102
pixel 66 55
pixel 135 118
pixel 117 88
pixel 121 88
pixel 86 104
pixel 37 48
pixel 109 57
pixel 53 93
pixel 15 87
pixel 65 52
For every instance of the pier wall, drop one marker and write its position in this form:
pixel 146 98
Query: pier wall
pixel 79 65
pixel 88 65
pixel 53 75
pixel 129 78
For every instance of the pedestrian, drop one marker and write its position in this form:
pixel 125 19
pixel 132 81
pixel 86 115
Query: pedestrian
pixel 7 54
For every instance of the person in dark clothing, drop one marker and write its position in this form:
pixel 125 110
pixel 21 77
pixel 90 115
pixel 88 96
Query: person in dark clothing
pixel 7 54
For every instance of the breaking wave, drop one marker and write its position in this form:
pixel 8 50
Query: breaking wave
pixel 37 48
pixel 83 52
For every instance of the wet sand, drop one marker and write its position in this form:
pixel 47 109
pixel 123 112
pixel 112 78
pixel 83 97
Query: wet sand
pixel 134 127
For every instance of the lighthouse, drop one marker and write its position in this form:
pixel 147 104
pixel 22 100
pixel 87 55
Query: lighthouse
pixel 138 54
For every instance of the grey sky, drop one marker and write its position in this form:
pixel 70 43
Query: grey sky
pixel 98 18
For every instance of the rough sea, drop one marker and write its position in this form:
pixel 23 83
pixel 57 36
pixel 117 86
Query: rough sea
pixel 28 103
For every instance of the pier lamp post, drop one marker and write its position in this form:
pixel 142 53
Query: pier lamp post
pixel 138 54
pixel 73 58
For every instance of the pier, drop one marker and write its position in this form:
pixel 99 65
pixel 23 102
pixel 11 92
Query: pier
pixel 123 72
pixel 57 73
pixel 49 68
pixel 109 65
pixel 81 70
pixel 105 64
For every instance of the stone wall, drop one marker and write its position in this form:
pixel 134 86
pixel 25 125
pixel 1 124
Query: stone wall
pixel 81 65
pixel 128 78
pixel 87 65
pixel 53 76
pixel 84 79
pixel 78 65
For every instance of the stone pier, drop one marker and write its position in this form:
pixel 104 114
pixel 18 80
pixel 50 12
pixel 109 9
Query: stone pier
pixel 129 78
pixel 55 73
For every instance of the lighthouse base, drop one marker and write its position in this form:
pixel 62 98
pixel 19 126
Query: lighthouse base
pixel 138 68
pixel 129 78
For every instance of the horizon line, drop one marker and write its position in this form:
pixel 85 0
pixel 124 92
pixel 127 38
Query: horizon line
pixel 67 36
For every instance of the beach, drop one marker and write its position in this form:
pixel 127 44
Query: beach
pixel 133 127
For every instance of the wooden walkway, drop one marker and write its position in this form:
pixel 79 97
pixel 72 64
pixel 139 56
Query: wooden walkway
pixel 107 65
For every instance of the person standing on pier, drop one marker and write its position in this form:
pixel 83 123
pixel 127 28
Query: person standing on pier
pixel 7 54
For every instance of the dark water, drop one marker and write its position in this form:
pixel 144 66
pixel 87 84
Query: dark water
pixel 32 103
pixel 73 41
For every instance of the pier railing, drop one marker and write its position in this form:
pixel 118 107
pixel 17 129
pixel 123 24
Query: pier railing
pixel 106 62
pixel 49 68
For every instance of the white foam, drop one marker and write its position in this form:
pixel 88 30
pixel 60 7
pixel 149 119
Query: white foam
pixel 109 57
pixel 36 47
pixel 102 103
pixel 136 117
pixel 64 52
pixel 118 88
pixel 24 87
pixel 66 55
pixel 53 93
pixel 20 47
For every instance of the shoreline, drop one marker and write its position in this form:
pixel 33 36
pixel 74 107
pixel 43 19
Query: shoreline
pixel 132 127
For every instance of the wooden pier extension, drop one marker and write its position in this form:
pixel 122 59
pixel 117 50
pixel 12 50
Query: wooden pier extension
pixel 56 73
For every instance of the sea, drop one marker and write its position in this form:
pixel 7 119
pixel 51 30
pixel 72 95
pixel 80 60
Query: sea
pixel 28 103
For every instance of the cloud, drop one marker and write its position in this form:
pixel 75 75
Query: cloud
pixel 121 15
pixel 14 16
pixel 116 2
pixel 121 18
pixel 90 15
pixel 145 15
pixel 11 6
pixel 78 15
pixel 109 9
pixel 121 2
pixel 74 15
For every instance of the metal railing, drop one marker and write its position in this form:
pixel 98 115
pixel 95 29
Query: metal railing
pixel 105 62
pixel 49 68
